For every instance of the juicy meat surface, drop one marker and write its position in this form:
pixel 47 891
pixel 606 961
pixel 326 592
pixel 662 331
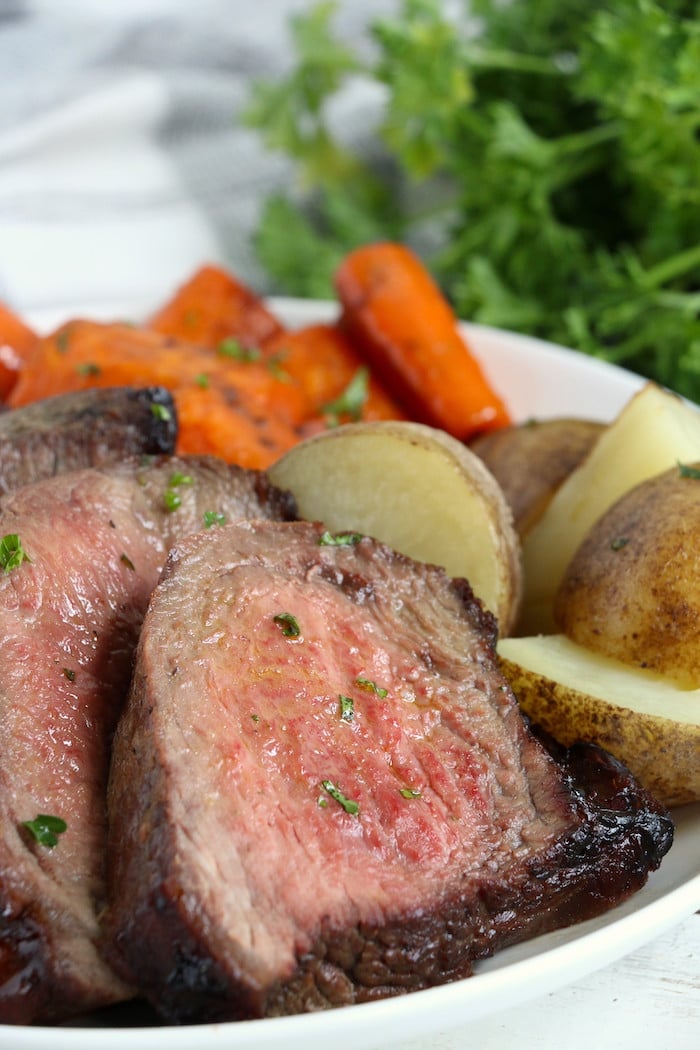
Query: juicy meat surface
pixel 323 791
pixel 69 621
pixel 86 428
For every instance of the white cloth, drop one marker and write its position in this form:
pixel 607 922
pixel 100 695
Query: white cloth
pixel 124 163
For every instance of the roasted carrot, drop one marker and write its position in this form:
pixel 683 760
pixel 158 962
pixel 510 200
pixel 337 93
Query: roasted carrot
pixel 400 321
pixel 322 362
pixel 240 410
pixel 17 340
pixel 213 306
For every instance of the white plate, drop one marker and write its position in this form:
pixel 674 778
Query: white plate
pixel 537 380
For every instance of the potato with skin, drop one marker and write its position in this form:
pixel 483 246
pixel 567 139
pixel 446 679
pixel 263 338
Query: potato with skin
pixel 653 431
pixel 649 723
pixel 417 489
pixel 530 461
pixel 632 590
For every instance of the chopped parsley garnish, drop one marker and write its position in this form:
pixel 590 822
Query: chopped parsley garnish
pixel 12 553
pixel 339 539
pixel 410 793
pixel 126 560
pixel 161 412
pixel 619 542
pixel 372 687
pixel 232 348
pixel 274 367
pixel 178 478
pixel 347 708
pixel 687 471
pixel 351 401
pixel 202 380
pixel 172 499
pixel 88 368
pixel 62 340
pixel 348 804
pixel 256 718
pixel 288 624
pixel 69 674
pixel 46 829
pixel 213 517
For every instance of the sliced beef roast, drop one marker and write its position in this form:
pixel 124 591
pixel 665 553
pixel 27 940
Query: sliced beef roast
pixel 323 791
pixel 86 428
pixel 96 541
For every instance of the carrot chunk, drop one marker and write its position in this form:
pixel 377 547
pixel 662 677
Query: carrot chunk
pixel 213 306
pixel 237 409
pixel 400 321
pixel 17 340
pixel 334 379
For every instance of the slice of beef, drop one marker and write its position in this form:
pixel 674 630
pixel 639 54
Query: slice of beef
pixel 69 621
pixel 323 791
pixel 86 428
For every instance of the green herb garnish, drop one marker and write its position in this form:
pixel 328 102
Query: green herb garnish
pixel 619 542
pixel 45 829
pixel 549 162
pixel 234 349
pixel 172 499
pixel 687 471
pixel 213 517
pixel 371 687
pixel 339 539
pixel 352 400
pixel 161 412
pixel 347 803
pixel 178 478
pixel 69 674
pixel 288 624
pixel 126 560
pixel 12 553
pixel 202 380
pixel 347 708
pixel 409 793
pixel 88 368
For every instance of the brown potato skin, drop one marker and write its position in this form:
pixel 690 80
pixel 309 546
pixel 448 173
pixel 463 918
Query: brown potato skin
pixel 662 754
pixel 632 590
pixel 531 460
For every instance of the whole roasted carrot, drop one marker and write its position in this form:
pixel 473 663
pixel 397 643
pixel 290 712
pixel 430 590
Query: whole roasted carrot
pixel 17 340
pixel 212 306
pixel 237 409
pixel 336 383
pixel 400 321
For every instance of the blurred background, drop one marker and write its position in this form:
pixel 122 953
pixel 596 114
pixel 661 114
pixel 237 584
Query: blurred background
pixel 123 160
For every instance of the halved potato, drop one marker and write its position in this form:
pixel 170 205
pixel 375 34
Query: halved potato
pixel 632 590
pixel 531 460
pixel 417 489
pixel 649 723
pixel 653 431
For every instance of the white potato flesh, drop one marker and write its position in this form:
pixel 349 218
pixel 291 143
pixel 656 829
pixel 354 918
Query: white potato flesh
pixel 418 490
pixel 650 723
pixel 654 430
pixel 563 661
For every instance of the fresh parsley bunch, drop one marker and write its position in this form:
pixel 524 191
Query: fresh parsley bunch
pixel 543 158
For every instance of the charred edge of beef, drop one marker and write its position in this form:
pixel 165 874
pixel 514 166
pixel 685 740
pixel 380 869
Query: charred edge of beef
pixel 528 842
pixel 84 428
pixel 98 539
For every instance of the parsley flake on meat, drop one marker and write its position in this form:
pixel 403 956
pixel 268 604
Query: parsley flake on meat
pixel 12 553
pixel 45 829
pixel 348 804
pixel 288 624
pixel 339 539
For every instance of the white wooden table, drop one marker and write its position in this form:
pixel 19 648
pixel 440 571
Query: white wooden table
pixel 649 1000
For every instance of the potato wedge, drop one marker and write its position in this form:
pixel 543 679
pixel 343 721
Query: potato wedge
pixel 649 723
pixel 418 490
pixel 531 460
pixel 632 590
pixel 654 430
